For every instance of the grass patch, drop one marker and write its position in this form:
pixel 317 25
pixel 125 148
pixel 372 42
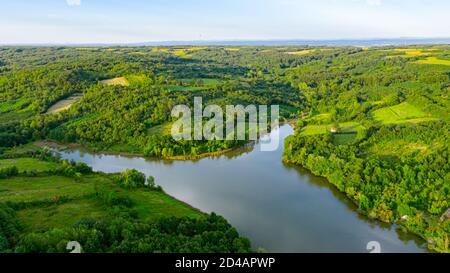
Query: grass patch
pixel 345 127
pixel 152 205
pixel 202 81
pixel 398 148
pixel 232 49
pixel 409 52
pixel 184 88
pixel 13 105
pixel 414 52
pixel 433 60
pixel 137 79
pixel 28 164
pixel 61 215
pixel 77 121
pixel 321 118
pixel 161 130
pixel 401 113
pixel 22 149
pixel 344 139
pixel 181 53
pixel 29 189
pixel 54 201
pixel 121 81
pixel 14 116
pixel 302 52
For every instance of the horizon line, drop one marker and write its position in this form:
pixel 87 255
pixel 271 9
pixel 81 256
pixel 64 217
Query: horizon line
pixel 225 42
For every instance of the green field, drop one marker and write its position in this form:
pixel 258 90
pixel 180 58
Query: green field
pixel 39 219
pixel 42 188
pixel 28 164
pixel 401 113
pixel 434 60
pixel 14 105
pixel 344 127
pixel 397 148
pixel 184 88
pixel 344 139
pixel 56 201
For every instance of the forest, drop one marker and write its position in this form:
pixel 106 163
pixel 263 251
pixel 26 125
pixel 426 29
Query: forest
pixel 373 121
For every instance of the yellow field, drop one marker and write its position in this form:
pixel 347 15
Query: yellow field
pixel 116 81
pixel 63 105
pixel 196 48
pixel 137 53
pixel 160 49
pixel 182 53
pixel 87 48
pixel 433 60
pixel 411 52
pixel 301 53
pixel 232 49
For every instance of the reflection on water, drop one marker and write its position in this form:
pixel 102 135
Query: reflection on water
pixel 280 207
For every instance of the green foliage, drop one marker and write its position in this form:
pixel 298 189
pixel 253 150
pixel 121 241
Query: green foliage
pixel 9 228
pixel 211 234
pixel 131 179
pixel 8 172
pixel 391 106
pixel 386 188
pixel 73 169
pixel 47 211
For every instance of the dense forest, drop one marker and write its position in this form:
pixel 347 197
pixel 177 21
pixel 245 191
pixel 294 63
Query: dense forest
pixel 373 121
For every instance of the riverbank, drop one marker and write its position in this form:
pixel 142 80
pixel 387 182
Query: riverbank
pixel 63 146
pixel 399 223
pixel 54 202
pixel 418 222
pixel 70 146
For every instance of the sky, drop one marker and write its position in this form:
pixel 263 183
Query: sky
pixel 134 21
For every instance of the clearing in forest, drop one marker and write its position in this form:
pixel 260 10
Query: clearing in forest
pixel 401 113
pixel 302 52
pixel 232 49
pixel 65 104
pixel 433 60
pixel 121 81
pixel 344 127
pixel 411 52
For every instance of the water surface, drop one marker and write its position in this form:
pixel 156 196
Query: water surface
pixel 281 208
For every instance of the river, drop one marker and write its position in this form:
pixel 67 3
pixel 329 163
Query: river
pixel 280 208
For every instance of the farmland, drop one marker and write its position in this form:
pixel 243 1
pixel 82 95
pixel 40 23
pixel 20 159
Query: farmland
pixel 401 113
pixel 434 60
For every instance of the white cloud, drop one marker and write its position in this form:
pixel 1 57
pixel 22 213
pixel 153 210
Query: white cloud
pixel 73 2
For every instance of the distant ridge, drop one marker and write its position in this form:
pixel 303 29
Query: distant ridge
pixel 294 42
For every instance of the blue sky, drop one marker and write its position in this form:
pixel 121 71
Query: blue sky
pixel 127 21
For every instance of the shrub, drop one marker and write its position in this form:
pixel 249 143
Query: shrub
pixel 8 172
